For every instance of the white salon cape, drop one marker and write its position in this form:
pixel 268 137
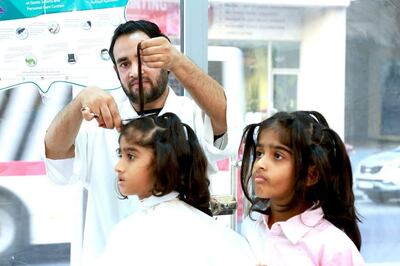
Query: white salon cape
pixel 93 167
pixel 167 231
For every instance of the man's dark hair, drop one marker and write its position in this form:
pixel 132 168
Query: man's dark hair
pixel 149 28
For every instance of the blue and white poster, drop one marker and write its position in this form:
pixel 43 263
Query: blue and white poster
pixel 31 8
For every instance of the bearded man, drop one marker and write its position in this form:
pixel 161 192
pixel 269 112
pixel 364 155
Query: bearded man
pixel 81 141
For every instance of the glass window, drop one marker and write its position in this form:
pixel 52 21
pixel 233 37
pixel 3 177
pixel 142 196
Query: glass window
pixel 340 58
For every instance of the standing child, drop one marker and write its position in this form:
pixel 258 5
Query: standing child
pixel 303 211
pixel 162 163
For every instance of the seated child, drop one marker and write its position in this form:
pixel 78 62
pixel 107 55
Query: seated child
pixel 162 163
pixel 303 211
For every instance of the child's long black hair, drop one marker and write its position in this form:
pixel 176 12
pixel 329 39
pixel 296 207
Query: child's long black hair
pixel 314 146
pixel 179 161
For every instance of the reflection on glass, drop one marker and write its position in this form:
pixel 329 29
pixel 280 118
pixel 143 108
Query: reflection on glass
pixel 285 92
pixel 285 55
pixel 377 175
pixel 32 207
pixel 256 78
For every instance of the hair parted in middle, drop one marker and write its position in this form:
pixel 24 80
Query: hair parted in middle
pixel 313 146
pixel 179 161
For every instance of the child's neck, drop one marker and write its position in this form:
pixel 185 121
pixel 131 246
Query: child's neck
pixel 281 213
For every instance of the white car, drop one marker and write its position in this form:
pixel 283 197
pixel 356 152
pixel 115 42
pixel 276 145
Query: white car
pixel 378 175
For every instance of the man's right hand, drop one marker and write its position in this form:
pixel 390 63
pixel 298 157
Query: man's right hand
pixel 93 103
pixel 99 105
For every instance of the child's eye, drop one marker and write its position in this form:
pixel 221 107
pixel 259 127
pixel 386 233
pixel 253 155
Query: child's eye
pixel 278 156
pixel 130 156
pixel 259 154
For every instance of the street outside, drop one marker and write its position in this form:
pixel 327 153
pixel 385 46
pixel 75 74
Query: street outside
pixel 379 221
pixel 380 231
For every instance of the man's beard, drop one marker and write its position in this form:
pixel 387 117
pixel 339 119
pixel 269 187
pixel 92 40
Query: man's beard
pixel 151 95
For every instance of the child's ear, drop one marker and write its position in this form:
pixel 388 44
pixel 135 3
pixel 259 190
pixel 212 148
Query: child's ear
pixel 312 176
